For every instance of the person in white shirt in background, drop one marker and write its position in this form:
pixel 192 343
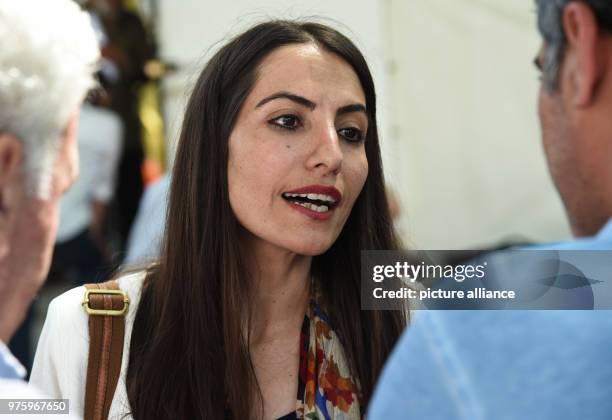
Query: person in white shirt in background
pixel 80 249
pixel 48 54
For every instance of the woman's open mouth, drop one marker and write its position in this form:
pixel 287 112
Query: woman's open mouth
pixel 316 201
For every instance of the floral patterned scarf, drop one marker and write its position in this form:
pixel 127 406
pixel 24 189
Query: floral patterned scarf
pixel 326 388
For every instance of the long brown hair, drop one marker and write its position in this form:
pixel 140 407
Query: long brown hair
pixel 189 357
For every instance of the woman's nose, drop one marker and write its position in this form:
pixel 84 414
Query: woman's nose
pixel 326 155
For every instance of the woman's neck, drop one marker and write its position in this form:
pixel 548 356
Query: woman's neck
pixel 281 293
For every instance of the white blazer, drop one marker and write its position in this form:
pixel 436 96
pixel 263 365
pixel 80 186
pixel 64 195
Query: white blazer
pixel 60 364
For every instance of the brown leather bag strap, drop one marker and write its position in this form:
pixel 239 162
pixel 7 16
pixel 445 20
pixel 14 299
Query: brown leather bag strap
pixel 106 305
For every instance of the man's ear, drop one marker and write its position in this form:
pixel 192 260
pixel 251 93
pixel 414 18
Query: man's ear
pixel 69 154
pixel 582 63
pixel 11 156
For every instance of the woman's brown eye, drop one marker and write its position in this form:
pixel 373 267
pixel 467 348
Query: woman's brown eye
pixel 350 134
pixel 288 122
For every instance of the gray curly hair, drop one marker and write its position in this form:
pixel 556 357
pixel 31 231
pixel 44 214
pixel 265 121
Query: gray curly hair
pixel 551 28
pixel 48 53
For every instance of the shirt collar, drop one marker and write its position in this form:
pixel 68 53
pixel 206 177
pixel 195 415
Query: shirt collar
pixel 10 368
pixel 606 231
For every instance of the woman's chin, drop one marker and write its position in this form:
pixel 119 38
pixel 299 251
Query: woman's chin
pixel 311 249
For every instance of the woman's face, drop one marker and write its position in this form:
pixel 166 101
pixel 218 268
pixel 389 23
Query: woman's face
pixel 297 159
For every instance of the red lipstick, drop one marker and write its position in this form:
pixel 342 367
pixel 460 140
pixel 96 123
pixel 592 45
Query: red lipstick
pixel 331 201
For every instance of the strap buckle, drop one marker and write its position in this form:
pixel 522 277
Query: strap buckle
pixel 105 312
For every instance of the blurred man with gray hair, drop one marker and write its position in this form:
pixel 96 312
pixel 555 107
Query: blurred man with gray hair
pixel 48 54
pixel 531 364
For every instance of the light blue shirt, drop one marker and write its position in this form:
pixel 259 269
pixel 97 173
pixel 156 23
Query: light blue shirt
pixel 144 242
pixel 600 242
pixel 10 368
pixel 12 387
pixel 502 364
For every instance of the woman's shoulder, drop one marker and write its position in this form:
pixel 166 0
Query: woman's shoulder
pixel 70 304
pixel 60 363
pixel 132 284
pixel 66 315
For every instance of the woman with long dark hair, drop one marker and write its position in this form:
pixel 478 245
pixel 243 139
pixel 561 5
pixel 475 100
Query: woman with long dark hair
pixel 255 302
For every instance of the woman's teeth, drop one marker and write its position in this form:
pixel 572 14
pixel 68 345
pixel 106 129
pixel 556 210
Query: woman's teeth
pixel 319 209
pixel 311 196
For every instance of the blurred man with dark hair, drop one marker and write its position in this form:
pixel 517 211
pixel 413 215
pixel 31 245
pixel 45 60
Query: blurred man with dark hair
pixel 576 107
pixel 48 53
pixel 531 364
pixel 127 47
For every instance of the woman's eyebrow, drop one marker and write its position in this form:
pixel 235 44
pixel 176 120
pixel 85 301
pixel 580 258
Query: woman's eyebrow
pixel 287 95
pixel 347 109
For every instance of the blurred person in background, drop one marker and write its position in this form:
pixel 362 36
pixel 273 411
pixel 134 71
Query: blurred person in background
pixel 145 240
pixel 126 49
pixel 81 250
pixel 531 364
pixel 48 53
pixel 83 238
pixel 253 310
